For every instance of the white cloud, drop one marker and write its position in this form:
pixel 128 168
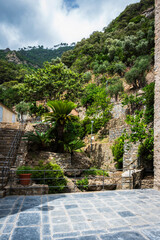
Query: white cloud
pixel 49 22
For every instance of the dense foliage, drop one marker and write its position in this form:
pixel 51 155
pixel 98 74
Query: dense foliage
pixel 89 74
pixel 82 184
pixel 50 174
pixel 53 81
pixel 145 151
pixel 93 171
pixel 129 36
pixel 141 122
pixel 118 151
pixel 37 111
pixel 36 56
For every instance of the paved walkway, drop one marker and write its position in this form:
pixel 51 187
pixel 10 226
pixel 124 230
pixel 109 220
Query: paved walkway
pixel 111 215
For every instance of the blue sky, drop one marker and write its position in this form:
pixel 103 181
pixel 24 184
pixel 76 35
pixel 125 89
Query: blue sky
pixel 49 22
pixel 71 4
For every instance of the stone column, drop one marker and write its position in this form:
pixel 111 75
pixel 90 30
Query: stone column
pixel 157 98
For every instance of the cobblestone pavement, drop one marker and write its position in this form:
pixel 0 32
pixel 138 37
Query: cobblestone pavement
pixel 110 215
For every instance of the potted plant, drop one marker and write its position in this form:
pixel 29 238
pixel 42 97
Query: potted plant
pixel 24 173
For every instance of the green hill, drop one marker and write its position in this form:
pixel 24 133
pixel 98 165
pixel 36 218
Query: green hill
pixel 129 36
pixel 124 50
pixel 35 56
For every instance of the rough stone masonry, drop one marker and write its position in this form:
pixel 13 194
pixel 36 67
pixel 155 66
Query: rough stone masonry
pixel 157 98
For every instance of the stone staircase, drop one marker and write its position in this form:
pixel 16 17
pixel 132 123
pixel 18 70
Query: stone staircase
pixel 8 133
pixel 147 182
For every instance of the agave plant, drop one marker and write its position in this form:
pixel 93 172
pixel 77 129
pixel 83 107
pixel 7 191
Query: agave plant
pixel 39 138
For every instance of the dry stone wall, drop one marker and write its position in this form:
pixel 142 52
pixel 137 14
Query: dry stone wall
pixel 116 132
pixel 157 99
pixel 130 157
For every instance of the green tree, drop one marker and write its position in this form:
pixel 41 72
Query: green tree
pixel 115 89
pixel 149 103
pixel 89 94
pixel 119 68
pixel 22 108
pixel 118 151
pixel 61 115
pixel 138 127
pixel 52 82
pixel 136 76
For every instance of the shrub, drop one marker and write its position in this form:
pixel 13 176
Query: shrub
pixel 145 152
pixel 136 75
pixel 82 184
pixel 87 76
pixel 133 102
pixel 95 172
pixel 149 102
pixel 23 170
pixel 119 68
pixel 54 176
pixel 118 151
pixel 38 139
pixel 37 110
pixel 115 89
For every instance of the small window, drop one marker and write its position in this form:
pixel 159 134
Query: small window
pixel 13 118
pixel 1 114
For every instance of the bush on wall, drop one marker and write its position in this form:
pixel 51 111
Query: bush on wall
pixel 118 151
pixel 53 174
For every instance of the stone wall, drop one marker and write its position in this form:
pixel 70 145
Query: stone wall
pixel 78 161
pixel 101 155
pixel 116 132
pixel 130 158
pixel 9 125
pixel 157 99
pixel 118 110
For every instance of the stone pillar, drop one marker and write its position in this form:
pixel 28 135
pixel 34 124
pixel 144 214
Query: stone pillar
pixel 157 98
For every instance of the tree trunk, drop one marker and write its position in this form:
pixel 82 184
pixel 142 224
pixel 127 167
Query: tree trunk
pixel 60 142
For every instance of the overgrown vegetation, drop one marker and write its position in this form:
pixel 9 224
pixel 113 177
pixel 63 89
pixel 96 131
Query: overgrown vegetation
pixel 90 74
pixel 50 174
pixel 95 172
pixel 82 184
pixel 118 151
pixel 141 122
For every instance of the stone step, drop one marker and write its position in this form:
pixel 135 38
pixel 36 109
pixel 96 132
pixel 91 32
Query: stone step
pixel 4 142
pixel 5 157
pixel 5 146
pixel 1 168
pixel 2 163
pixel 10 125
pixel 4 179
pixel 6 137
pixel 5 149
pixel 4 152
pixel 9 135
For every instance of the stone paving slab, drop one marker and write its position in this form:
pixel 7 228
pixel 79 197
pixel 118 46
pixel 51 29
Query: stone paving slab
pixel 110 215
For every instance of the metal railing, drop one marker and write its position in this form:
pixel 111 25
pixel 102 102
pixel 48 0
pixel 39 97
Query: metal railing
pixel 11 155
pixel 56 181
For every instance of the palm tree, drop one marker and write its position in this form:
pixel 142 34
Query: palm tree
pixel 61 114
pixel 74 145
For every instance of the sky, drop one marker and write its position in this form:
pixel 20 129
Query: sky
pixel 49 22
